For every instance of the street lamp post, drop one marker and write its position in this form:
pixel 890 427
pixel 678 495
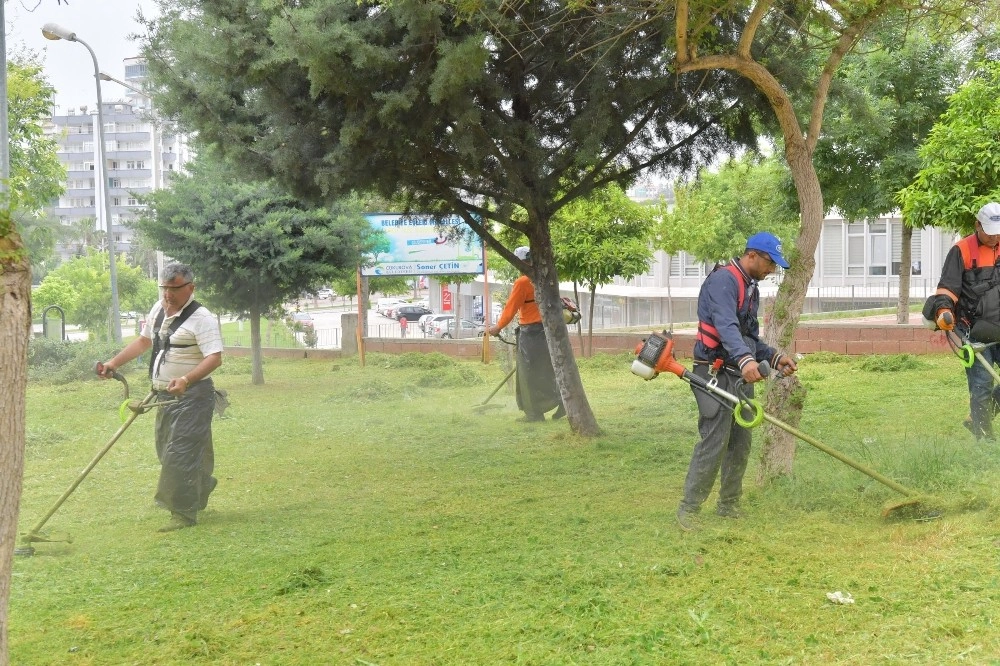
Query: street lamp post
pixel 55 31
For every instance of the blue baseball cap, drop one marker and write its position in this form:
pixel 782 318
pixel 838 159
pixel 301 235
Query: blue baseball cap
pixel 769 244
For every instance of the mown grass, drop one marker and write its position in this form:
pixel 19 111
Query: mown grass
pixel 373 516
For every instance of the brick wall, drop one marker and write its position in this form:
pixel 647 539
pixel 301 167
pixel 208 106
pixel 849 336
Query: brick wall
pixel 838 337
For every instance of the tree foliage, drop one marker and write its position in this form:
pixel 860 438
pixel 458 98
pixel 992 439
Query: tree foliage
pixel 717 212
pixel 600 237
pixel 476 113
pixel 960 159
pixel 36 175
pixel 890 94
pixel 85 284
pixel 251 245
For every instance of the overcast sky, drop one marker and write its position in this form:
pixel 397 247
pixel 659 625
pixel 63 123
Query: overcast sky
pixel 104 24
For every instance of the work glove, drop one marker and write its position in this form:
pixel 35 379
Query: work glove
pixel 945 320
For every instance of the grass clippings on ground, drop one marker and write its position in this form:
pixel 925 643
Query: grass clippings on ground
pixel 374 516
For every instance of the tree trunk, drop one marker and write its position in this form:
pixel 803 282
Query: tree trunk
pixel 458 310
pixel 586 346
pixel 590 322
pixel 905 261
pixel 546 281
pixel 670 295
pixel 256 353
pixel 788 396
pixel 785 396
pixel 15 330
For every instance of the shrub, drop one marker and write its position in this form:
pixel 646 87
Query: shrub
pixel 62 361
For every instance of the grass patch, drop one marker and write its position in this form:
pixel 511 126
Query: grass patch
pixel 373 516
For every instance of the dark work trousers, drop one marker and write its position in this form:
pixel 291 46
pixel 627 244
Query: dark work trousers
pixel 184 447
pixel 724 444
pixel 981 403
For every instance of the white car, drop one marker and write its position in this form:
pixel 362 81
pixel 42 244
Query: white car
pixel 384 304
pixel 445 328
pixel 325 293
pixel 427 321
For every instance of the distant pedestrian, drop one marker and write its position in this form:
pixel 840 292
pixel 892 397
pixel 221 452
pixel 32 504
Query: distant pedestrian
pixel 402 326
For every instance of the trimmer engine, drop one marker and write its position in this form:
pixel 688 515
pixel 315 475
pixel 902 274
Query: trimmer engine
pixel 655 355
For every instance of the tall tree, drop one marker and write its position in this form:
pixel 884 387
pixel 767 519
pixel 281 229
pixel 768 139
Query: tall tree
pixel 33 179
pixel 252 246
pixel 960 159
pixel 477 113
pixel 600 237
pixel 891 93
pixel 791 54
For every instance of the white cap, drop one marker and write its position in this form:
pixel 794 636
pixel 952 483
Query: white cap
pixel 524 252
pixel 989 217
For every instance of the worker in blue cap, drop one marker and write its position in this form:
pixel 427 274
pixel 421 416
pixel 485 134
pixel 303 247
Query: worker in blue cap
pixel 728 348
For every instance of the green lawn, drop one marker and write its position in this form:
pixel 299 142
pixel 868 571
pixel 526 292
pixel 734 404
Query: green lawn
pixel 373 516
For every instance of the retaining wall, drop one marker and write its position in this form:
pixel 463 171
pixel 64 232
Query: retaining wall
pixel 856 339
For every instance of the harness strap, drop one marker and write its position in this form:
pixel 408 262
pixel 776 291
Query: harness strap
pixel 174 325
pixel 707 334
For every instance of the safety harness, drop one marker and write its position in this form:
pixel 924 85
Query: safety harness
pixel 707 334
pixel 980 281
pixel 158 351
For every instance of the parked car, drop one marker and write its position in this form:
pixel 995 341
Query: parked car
pixel 422 322
pixel 303 319
pixel 427 323
pixel 445 328
pixel 411 312
pixel 325 293
pixel 385 303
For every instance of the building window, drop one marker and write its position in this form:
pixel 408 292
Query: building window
pixel 132 201
pixel 856 248
pixel 878 249
pixel 136 71
pixel 114 182
pixel 116 201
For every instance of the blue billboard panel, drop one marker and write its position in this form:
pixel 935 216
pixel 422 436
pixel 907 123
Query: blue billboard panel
pixel 423 245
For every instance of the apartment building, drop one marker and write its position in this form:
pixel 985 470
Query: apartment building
pixel 141 152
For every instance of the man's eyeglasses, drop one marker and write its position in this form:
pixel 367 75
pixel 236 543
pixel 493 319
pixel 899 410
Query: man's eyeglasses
pixel 173 288
pixel 767 257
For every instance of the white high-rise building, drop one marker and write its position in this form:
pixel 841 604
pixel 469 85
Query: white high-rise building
pixel 142 152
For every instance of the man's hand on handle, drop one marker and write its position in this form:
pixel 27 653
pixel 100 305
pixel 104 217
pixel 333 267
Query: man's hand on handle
pixel 945 320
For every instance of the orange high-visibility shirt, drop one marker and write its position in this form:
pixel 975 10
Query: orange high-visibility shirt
pixel 521 302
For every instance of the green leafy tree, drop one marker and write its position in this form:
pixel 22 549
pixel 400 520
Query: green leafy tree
pixel 960 159
pixel 89 304
pixel 251 245
pixel 36 175
pixel 716 213
pixel 601 237
pixel 892 92
pixel 465 110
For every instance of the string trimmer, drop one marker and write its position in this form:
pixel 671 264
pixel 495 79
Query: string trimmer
pixel 129 411
pixel 655 355
pixel 483 406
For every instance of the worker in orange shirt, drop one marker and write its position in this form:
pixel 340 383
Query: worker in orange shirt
pixel 536 388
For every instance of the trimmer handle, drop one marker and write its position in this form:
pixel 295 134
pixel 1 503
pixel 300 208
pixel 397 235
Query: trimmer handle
pixel 105 372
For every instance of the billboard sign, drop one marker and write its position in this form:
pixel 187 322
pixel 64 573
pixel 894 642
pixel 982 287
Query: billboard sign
pixel 421 245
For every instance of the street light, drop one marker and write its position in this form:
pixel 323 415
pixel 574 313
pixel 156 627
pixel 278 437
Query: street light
pixel 54 31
